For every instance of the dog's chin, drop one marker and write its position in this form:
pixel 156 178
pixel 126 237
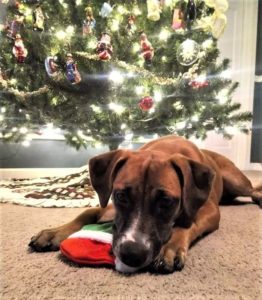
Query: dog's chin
pixel 123 268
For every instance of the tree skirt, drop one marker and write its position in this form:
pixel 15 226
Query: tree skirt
pixel 73 190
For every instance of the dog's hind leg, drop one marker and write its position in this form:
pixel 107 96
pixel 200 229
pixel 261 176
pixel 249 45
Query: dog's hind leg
pixel 235 183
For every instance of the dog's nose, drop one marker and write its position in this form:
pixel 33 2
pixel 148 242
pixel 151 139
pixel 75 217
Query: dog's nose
pixel 133 254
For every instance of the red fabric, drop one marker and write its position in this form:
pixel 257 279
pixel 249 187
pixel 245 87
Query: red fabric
pixel 87 252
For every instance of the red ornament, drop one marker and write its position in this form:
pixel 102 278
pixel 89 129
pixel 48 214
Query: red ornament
pixel 195 84
pixel 146 103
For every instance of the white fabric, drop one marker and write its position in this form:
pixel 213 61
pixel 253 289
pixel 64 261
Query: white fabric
pixel 103 237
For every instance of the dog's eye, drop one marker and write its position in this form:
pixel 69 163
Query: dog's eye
pixel 166 203
pixel 120 198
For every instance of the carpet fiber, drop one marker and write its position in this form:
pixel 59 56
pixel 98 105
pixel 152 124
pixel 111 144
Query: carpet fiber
pixel 225 265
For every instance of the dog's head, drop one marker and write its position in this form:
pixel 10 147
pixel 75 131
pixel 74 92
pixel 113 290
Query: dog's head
pixel 151 192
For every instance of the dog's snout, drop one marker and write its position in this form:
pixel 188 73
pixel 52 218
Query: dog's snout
pixel 133 254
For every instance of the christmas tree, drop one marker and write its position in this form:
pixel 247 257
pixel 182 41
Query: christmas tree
pixel 115 70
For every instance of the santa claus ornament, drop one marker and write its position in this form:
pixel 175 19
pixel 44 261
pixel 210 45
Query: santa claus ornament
pixel 72 73
pixel 104 48
pixel 146 103
pixel 147 50
pixel 19 50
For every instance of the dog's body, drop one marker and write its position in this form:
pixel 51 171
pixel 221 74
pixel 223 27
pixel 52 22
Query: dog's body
pixel 165 196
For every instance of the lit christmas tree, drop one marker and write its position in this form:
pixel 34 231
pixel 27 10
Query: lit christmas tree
pixel 110 71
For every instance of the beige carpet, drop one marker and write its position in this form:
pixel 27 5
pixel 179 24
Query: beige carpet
pixel 224 265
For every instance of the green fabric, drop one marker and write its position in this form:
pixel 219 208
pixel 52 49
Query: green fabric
pixel 104 227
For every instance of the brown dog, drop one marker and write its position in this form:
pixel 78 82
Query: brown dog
pixel 165 196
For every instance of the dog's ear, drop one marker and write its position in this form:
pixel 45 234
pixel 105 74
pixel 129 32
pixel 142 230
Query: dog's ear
pixel 196 181
pixel 103 170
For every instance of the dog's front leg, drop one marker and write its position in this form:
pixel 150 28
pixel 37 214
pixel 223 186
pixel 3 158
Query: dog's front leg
pixel 50 239
pixel 173 254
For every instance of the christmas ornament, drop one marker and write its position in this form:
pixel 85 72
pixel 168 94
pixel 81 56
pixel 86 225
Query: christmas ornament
pixel 39 18
pixel 106 10
pixel 89 23
pixel 198 83
pixel 104 48
pixel 72 73
pixel 51 66
pixel 190 14
pixel 215 23
pixel 146 103
pixel 131 27
pixel 146 49
pixel 187 52
pixel 19 50
pixel 178 22
pixel 14 27
pixel 153 10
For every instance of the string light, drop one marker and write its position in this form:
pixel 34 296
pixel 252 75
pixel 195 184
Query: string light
pixel 136 11
pixel 139 90
pixel 115 25
pixel 96 108
pixel 23 130
pixel 78 2
pixel 1 117
pixel 181 125
pixel 207 44
pixel 14 129
pixel 123 126
pixel 60 34
pixel 117 108
pixel 222 97
pixel 158 96
pixel 3 109
pixel 164 34
pixel 129 136
pixel 116 77
pixel 70 29
pixel 164 59
pixel 195 118
pixel 151 110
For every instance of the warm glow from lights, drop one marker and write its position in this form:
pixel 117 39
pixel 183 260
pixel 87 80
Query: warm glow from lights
pixel 26 143
pixel 227 74
pixel 158 96
pixel 231 130
pixel 23 130
pixel 164 59
pixel 61 34
pixel 181 125
pixel 1 117
pixel 136 47
pixel 78 2
pixel 195 118
pixel 139 90
pixel 115 25
pixel 95 108
pixel 164 34
pixel 129 136
pixel 116 77
pixel 123 126
pixel 3 109
pixel 117 108
pixel 70 29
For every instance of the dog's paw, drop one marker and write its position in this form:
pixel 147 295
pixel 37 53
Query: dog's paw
pixel 46 240
pixel 169 261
